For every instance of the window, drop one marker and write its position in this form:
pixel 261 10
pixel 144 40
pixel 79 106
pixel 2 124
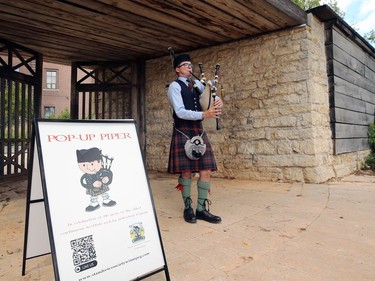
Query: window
pixel 49 111
pixel 51 79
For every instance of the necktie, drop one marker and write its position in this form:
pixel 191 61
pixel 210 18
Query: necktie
pixel 190 83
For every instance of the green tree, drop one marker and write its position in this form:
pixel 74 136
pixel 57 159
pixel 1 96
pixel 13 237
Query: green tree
pixel 370 159
pixel 15 107
pixel 309 4
pixel 14 99
pixel 65 114
pixel 333 4
pixel 370 36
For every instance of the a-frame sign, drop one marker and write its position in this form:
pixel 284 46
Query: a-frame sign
pixel 90 204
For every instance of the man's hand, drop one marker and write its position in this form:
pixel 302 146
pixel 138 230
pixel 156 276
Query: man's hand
pixel 97 184
pixel 218 102
pixel 212 112
pixel 105 180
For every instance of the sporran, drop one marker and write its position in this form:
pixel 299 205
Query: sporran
pixel 195 148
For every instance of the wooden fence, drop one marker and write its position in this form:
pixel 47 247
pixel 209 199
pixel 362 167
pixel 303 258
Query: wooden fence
pixel 351 73
pixel 20 90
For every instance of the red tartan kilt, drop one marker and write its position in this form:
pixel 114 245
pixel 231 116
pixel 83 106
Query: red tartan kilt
pixel 178 161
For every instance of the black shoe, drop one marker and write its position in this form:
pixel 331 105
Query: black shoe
pixel 109 204
pixel 189 212
pixel 206 215
pixel 189 215
pixel 91 208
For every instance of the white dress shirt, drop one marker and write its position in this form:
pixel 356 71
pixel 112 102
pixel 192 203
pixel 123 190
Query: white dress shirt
pixel 175 99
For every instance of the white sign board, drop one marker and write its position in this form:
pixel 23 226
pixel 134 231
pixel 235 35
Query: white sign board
pixel 36 232
pixel 101 218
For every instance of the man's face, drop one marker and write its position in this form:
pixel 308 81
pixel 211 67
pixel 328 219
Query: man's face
pixel 184 69
pixel 90 167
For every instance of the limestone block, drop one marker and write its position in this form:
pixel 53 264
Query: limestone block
pixel 293 160
pixel 246 148
pixel 284 147
pixel 264 147
pixel 293 175
pixel 318 174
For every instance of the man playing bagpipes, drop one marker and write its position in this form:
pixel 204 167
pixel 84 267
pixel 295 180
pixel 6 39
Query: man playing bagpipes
pixel 190 150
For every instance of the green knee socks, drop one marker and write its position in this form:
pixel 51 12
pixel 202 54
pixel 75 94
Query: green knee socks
pixel 186 191
pixel 203 188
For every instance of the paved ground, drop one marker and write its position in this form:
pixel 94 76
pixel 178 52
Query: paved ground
pixel 270 231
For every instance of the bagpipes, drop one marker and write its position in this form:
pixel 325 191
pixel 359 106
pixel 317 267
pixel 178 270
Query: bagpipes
pixel 107 162
pixel 208 96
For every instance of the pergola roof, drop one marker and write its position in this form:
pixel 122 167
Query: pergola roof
pixel 122 30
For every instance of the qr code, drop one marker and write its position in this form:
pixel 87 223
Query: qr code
pixel 83 250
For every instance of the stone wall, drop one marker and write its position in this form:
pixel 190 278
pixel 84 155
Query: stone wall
pixel 276 123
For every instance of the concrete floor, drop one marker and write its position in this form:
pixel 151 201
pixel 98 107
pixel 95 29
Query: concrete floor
pixel 270 231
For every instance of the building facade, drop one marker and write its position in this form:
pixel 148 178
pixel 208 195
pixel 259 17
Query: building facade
pixel 277 121
pixel 55 89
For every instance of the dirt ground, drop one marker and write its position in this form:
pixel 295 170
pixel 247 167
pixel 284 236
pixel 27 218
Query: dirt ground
pixel 270 231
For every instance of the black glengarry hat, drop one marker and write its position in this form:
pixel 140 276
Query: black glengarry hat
pixel 89 155
pixel 180 58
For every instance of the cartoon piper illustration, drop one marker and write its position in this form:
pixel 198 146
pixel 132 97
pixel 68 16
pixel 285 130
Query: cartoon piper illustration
pixel 97 178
